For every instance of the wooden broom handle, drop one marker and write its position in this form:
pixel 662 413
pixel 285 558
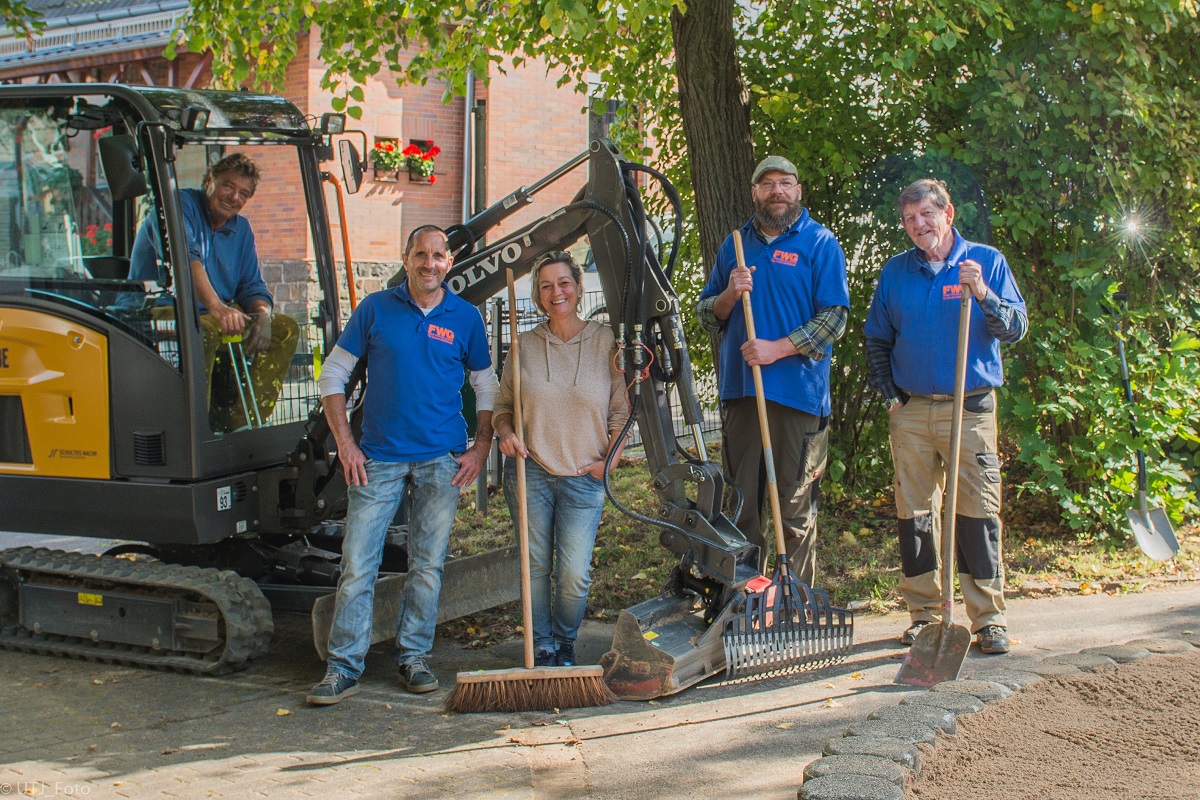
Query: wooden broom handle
pixel 768 453
pixel 522 502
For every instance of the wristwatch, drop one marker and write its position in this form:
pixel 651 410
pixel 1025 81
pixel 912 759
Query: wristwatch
pixel 892 402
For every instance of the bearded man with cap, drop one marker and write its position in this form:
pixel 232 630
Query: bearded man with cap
pixel 796 275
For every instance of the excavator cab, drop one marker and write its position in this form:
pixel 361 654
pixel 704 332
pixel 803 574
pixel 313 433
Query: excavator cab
pixel 113 371
pixel 125 414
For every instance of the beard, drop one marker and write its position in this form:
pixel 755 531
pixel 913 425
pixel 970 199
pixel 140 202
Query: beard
pixel 781 221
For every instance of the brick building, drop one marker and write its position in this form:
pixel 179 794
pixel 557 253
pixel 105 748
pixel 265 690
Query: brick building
pixel 506 133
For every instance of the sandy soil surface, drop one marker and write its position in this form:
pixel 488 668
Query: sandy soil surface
pixel 1126 733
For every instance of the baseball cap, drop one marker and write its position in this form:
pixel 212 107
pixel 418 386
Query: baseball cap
pixel 777 163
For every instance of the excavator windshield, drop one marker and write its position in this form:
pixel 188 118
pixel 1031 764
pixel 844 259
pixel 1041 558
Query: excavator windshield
pixel 125 226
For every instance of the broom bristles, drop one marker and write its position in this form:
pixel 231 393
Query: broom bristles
pixel 529 690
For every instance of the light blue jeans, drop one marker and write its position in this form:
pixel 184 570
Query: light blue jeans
pixel 564 512
pixel 371 510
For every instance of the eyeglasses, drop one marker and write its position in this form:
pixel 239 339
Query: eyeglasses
pixel 770 186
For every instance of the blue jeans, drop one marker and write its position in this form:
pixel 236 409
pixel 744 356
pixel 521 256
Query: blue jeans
pixel 564 513
pixel 372 508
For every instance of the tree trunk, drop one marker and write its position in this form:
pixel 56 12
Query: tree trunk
pixel 716 120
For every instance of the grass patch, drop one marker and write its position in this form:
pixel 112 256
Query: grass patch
pixel 857 558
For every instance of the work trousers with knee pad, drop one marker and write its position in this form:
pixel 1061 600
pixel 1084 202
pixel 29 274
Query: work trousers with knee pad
pixel 920 435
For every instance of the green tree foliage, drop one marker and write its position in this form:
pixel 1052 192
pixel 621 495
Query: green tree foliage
pixel 1082 123
pixel 20 18
pixel 1074 119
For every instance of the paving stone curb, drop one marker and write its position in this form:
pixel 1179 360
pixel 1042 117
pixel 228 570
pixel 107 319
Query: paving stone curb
pixel 939 719
pixel 1084 661
pixel 851 766
pixel 871 766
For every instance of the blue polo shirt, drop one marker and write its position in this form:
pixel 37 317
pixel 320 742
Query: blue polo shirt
pixel 416 364
pixel 795 276
pixel 229 255
pixel 918 312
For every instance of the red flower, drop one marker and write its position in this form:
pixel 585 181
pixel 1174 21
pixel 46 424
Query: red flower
pixel 411 150
pixel 433 178
pixel 108 227
pixel 379 145
pixel 389 146
pixel 432 152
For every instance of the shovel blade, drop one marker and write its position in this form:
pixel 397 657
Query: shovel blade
pixel 936 656
pixel 1154 533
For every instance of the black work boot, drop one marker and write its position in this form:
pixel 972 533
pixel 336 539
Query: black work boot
pixel 910 635
pixel 993 640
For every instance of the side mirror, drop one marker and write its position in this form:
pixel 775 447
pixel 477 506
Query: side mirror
pixel 352 168
pixel 333 124
pixel 122 167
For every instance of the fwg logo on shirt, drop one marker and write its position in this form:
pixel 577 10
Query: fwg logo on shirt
pixel 785 258
pixel 441 334
pixel 952 291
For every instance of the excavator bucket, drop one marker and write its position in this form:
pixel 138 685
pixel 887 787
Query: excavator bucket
pixel 661 647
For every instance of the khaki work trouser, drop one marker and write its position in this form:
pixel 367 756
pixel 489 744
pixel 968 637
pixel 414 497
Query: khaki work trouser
pixel 267 369
pixel 920 436
pixel 800 445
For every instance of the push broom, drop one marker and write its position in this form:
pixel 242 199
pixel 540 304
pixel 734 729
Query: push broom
pixel 531 688
pixel 786 625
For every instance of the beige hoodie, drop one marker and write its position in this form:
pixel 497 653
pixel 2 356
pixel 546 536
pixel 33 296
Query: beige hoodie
pixel 572 396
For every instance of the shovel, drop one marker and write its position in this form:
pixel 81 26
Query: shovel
pixel 1151 526
pixel 938 653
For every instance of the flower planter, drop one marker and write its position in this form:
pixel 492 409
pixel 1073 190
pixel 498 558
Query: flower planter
pixel 416 177
pixel 387 175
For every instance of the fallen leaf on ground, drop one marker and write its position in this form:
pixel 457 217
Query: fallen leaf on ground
pixel 282 712
pixel 831 703
pixel 783 726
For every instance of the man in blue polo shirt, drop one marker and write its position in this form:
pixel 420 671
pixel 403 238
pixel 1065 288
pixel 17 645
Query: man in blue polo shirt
pixel 418 339
pixel 797 272
pixel 911 330
pixel 233 298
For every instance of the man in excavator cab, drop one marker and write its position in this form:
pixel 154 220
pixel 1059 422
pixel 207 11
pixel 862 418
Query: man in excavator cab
pixel 243 339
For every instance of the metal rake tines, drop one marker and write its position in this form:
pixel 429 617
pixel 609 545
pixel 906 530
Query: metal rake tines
pixel 786 627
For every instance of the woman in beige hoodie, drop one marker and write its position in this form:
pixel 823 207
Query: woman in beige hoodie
pixel 573 406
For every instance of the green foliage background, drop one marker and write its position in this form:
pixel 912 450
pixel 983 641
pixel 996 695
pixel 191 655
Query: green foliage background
pixel 1072 119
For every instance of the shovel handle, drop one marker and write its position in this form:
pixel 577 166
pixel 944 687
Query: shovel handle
pixel 949 557
pixel 768 453
pixel 522 498
pixel 1128 385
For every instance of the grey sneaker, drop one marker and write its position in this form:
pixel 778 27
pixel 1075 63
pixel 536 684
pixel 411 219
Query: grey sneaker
pixel 910 635
pixel 566 654
pixel 334 688
pixel 416 677
pixel 993 640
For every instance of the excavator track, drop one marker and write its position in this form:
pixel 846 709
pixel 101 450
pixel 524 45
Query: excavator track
pixel 114 610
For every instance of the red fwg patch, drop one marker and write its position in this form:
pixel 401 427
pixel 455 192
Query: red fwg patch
pixel 441 334
pixel 952 291
pixel 785 258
